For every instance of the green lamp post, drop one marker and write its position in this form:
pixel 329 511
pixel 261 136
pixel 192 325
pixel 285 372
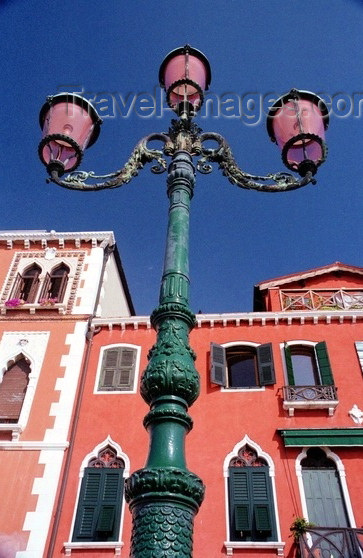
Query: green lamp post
pixel 164 496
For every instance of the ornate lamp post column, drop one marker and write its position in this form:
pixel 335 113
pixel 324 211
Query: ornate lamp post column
pixel 164 496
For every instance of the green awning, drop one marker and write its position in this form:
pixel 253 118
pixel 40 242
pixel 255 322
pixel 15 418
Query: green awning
pixel 322 437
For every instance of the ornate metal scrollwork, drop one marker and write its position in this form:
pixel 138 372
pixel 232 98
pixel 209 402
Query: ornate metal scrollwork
pixel 141 155
pixel 222 154
pixel 183 135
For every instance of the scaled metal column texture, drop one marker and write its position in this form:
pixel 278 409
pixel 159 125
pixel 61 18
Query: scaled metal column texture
pixel 165 496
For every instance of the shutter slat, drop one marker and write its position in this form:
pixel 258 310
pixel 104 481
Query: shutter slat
pixel 266 368
pixel 217 364
pixel 242 517
pixel 262 517
pixel 289 368
pixel 106 519
pixel 326 375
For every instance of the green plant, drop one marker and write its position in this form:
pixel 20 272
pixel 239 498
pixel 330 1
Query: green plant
pixel 299 527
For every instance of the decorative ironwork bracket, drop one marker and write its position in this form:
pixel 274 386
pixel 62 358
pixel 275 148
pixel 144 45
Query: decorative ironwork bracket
pixel 183 135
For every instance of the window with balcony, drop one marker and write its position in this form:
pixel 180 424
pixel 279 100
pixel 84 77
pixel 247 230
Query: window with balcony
pixel 310 379
pixel 55 284
pixel 26 284
pixel 242 365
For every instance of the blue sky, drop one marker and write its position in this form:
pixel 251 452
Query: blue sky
pixel 238 237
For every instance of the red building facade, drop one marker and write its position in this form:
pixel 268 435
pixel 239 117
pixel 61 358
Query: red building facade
pixel 277 427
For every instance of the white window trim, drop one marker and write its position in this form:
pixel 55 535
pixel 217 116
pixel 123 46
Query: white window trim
pixel 117 545
pixel 32 345
pixel 245 344
pixel 342 476
pixel 99 368
pixel 73 259
pixel 230 545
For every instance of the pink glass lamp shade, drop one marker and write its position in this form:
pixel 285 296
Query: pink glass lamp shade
pixel 185 74
pixel 69 124
pixel 297 123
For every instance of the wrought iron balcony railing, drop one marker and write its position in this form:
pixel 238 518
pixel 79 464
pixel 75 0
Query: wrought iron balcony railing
pixel 310 397
pixel 331 542
pixel 319 299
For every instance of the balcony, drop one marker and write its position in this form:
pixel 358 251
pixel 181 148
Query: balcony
pixel 321 299
pixel 310 397
pixel 331 542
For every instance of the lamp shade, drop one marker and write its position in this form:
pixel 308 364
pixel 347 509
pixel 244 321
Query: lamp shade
pixel 185 74
pixel 70 124
pixel 297 123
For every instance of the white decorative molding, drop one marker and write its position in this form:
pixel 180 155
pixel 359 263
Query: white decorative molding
pixel 37 522
pixel 230 545
pixel 247 318
pixel 74 259
pixel 356 414
pixel 69 546
pixel 94 453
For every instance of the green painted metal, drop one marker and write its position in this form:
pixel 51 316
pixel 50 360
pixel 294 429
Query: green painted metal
pixel 165 496
pixel 322 437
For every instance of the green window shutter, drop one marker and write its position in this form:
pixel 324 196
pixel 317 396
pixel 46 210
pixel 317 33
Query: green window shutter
pixel 99 505
pixel 326 376
pixel 217 364
pixel 265 363
pixel 242 517
pixel 262 517
pixel 288 361
pixel 87 505
pixel 106 519
pixel 118 369
pixel 251 504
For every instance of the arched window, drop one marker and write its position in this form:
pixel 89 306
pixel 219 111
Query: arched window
pixel 55 284
pixel 100 499
pixel 13 389
pixel 323 491
pixel 251 507
pixel 26 284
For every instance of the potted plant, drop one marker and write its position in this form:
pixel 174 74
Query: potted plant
pixel 299 526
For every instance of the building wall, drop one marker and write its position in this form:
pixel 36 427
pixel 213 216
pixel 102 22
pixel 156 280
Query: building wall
pixel 225 418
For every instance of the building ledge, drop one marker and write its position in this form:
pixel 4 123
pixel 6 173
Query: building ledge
pixel 291 406
pixel 234 545
pixel 112 545
pixel 34 307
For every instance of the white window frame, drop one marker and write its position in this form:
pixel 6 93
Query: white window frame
pixel 231 545
pixel 342 477
pixel 32 345
pixel 245 344
pixel 116 545
pixel 104 348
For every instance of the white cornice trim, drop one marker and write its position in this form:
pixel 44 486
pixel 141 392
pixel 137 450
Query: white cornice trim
pixel 43 235
pixel 245 318
pixel 34 446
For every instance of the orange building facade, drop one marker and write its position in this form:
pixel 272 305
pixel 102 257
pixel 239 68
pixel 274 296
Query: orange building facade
pixel 52 284
pixel 277 430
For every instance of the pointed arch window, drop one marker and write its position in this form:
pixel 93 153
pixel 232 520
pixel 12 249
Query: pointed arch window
pixel 55 284
pixel 251 508
pixel 26 284
pixel 323 491
pixel 100 499
pixel 13 390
